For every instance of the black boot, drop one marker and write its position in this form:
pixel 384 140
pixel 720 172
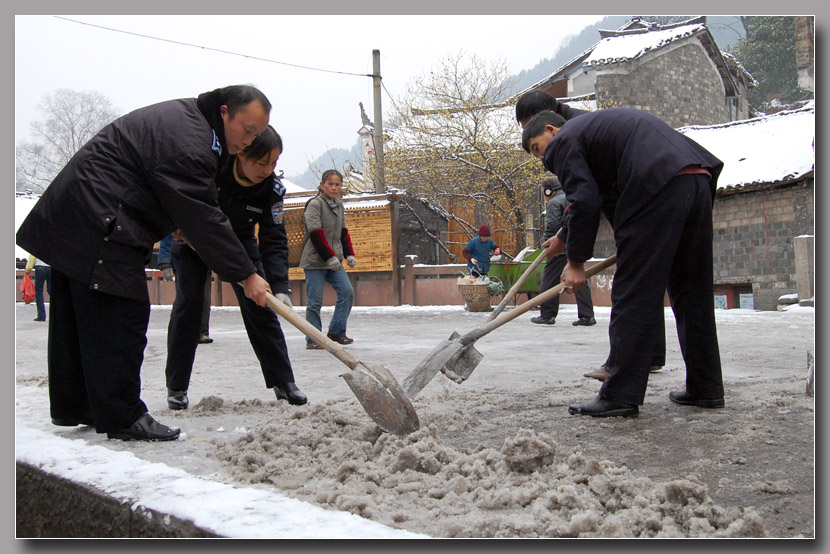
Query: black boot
pixel 600 407
pixel 177 399
pixel 146 428
pixel 290 392
pixel 683 397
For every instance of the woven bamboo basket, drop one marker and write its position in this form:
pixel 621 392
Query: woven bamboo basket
pixel 477 297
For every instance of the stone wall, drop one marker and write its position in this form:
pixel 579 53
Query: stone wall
pixel 753 239
pixel 679 85
pixel 753 243
pixel 805 51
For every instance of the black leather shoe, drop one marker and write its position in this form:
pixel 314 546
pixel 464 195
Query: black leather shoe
pixel 40 319
pixel 177 399
pixel 146 428
pixel 205 339
pixel 599 407
pixel 586 321
pixel 340 340
pixel 683 397
pixel 543 320
pixel 71 422
pixel 290 392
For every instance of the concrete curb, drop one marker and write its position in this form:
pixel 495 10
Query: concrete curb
pixel 49 506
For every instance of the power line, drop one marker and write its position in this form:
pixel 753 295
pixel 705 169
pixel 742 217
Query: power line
pixel 214 49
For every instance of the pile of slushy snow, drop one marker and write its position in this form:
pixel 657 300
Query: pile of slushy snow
pixel 328 455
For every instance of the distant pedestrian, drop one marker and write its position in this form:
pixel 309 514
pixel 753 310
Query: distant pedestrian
pixel 43 277
pixel 477 252
pixel 327 244
pixel 168 271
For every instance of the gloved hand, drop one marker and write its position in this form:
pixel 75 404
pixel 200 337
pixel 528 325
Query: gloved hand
pixel 284 298
pixel 351 261
pixel 475 262
pixel 167 273
pixel 334 264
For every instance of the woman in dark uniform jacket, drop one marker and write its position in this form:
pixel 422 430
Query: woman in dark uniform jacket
pixel 141 177
pixel 250 195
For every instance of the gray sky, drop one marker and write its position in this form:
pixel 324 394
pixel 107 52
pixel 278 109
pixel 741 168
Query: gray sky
pixel 313 110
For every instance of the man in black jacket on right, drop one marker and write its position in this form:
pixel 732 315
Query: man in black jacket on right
pixel 528 105
pixel 662 185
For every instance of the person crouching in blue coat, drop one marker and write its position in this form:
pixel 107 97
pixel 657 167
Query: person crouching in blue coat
pixel 477 252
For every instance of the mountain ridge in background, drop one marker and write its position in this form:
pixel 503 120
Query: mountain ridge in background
pixel 726 31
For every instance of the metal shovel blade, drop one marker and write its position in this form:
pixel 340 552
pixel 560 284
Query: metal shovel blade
pixel 382 398
pixel 461 365
pixel 455 359
pixel 375 387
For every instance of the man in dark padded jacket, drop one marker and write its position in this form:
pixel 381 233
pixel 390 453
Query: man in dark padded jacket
pixel 141 177
pixel 662 185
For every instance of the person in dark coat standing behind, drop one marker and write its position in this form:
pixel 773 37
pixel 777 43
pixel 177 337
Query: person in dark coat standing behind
pixel 138 179
pixel 533 102
pixel 168 270
pixel 663 186
pixel 554 216
pixel 250 195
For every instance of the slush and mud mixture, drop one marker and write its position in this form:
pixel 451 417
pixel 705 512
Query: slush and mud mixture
pixel 528 486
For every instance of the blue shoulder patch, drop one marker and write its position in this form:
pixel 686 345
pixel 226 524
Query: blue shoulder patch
pixel 278 213
pixel 279 188
pixel 216 146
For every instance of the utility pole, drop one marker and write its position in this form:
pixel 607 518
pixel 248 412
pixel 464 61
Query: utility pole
pixel 378 134
pixel 380 186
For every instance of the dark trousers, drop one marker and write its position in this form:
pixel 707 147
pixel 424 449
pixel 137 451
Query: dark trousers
pixel 667 245
pixel 262 325
pixel 552 276
pixel 204 326
pixel 43 277
pixel 95 350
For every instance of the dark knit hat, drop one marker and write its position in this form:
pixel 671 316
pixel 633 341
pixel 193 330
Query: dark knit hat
pixel 484 231
pixel 550 186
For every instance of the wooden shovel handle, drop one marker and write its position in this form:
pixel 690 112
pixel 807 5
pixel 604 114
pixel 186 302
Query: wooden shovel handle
pixel 522 308
pixel 517 285
pixel 310 330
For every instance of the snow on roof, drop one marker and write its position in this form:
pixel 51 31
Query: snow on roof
pixel 292 187
pixel 365 204
pixel 350 201
pixel 762 150
pixel 631 46
pixel 587 103
pixel 739 69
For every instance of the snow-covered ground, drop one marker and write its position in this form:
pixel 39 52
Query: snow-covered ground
pixel 185 478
